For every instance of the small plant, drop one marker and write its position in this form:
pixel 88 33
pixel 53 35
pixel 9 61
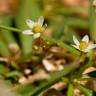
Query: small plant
pixel 43 63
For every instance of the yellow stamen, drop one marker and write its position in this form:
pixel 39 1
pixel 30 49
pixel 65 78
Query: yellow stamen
pixel 83 45
pixel 37 29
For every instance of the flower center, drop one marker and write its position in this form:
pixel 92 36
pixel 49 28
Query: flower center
pixel 37 29
pixel 83 45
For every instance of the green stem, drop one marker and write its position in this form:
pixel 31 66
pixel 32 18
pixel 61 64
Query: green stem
pixel 72 50
pixel 92 21
pixel 70 89
pixel 61 44
pixel 83 67
pixel 10 28
pixel 55 78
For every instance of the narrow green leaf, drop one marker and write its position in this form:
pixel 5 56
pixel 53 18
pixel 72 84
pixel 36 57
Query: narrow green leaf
pixel 24 90
pixel 86 91
pixel 92 20
pixel 70 90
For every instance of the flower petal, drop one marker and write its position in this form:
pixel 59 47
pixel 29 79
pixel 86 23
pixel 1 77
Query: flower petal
pixel 36 35
pixel 85 38
pixel 76 40
pixel 28 32
pixel 41 20
pixel 91 46
pixel 75 46
pixel 30 23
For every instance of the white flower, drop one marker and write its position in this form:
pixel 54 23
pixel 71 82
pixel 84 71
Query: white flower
pixel 35 28
pixel 84 45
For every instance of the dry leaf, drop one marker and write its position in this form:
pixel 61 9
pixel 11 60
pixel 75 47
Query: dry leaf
pixel 59 85
pixel 90 69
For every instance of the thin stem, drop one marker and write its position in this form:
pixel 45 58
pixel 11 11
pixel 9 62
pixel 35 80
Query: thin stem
pixel 92 21
pixel 10 28
pixel 61 44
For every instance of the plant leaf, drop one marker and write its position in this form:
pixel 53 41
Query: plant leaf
pixel 86 91
pixel 70 90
